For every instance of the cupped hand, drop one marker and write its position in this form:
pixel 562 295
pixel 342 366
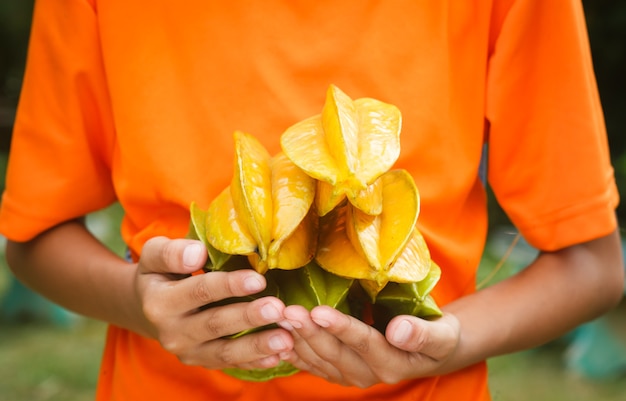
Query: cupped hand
pixel 174 303
pixel 344 350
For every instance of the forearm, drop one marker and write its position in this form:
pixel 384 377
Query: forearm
pixel 74 269
pixel 557 292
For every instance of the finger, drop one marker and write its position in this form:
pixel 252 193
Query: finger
pixel 324 353
pixel 263 363
pixel 307 335
pixel 366 344
pixel 299 363
pixel 228 320
pixel 177 302
pixel 256 350
pixel 385 362
pixel 360 337
pixel 203 289
pixel 177 256
pixel 436 339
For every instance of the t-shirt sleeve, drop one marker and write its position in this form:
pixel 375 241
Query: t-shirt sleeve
pixel 549 163
pixel 60 158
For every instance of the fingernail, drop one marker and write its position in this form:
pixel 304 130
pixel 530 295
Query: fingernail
pixel 276 343
pixel 295 324
pixel 192 255
pixel 269 312
pixel 285 325
pixel 402 332
pixel 321 322
pixel 253 283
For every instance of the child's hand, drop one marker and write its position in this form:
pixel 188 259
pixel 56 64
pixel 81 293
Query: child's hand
pixel 346 351
pixel 173 302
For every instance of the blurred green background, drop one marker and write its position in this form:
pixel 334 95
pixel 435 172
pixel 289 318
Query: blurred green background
pixel 47 353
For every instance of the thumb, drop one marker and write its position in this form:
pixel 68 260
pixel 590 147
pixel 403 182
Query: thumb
pixel 436 339
pixel 174 256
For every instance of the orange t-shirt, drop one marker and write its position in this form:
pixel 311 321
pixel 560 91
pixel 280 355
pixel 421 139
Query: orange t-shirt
pixel 137 102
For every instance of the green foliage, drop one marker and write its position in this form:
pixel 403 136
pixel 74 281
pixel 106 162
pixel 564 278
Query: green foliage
pixel 606 21
pixel 47 362
pixel 15 19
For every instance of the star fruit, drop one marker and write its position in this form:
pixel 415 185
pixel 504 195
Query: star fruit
pixel 266 212
pixel 331 211
pixel 346 148
pixel 377 249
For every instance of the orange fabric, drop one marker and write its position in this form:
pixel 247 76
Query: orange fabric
pixel 161 377
pixel 138 102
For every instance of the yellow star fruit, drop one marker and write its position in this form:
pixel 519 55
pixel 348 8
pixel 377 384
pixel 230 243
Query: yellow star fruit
pixel 346 147
pixel 377 248
pixel 265 212
pixel 331 207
